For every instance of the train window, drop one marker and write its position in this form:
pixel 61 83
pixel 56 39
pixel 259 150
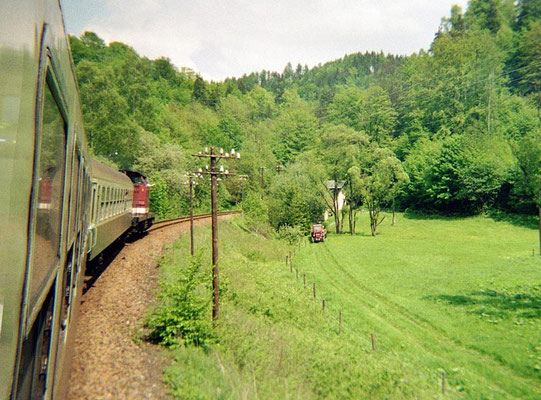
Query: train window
pixel 102 204
pixel 93 210
pixel 95 202
pixel 75 188
pixel 50 170
pixel 107 202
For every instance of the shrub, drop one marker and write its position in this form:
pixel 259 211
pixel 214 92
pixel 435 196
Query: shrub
pixel 291 234
pixel 182 318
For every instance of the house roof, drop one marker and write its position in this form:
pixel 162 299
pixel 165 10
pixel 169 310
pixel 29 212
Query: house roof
pixel 333 185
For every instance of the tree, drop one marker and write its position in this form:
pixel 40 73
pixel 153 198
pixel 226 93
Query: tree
pixel 380 180
pixel 296 127
pixel 529 10
pixel 484 165
pixel 261 103
pixel 110 130
pixel 200 91
pixel 419 165
pixel 529 59
pixel 484 14
pixel 455 24
pixel 369 111
pixel 528 153
pixel 346 107
pixel 354 196
pixel 294 197
pixel 339 149
pixel 378 117
pixel 230 134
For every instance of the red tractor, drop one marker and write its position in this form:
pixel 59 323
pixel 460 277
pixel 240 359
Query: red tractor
pixel 319 233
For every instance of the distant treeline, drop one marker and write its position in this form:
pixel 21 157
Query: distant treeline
pixel 455 129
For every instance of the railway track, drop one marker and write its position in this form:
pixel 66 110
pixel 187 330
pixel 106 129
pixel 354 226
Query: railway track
pixel 174 221
pixel 108 362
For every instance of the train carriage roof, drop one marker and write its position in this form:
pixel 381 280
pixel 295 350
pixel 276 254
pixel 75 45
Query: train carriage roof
pixel 136 177
pixel 102 172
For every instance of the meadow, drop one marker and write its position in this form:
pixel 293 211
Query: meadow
pixel 459 296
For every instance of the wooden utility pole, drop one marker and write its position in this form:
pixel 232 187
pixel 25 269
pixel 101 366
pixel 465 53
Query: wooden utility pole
pixel 214 211
pixel 539 220
pixel 214 172
pixel 242 179
pixel 191 215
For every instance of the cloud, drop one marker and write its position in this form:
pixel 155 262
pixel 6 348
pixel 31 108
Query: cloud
pixel 221 38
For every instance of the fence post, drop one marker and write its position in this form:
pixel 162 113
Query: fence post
pixel 304 279
pixel 323 304
pixel 373 341
pixel 314 290
pixel 443 382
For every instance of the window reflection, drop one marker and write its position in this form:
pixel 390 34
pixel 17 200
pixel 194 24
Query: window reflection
pixel 50 183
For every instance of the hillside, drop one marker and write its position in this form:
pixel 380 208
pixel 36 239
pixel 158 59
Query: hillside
pixel 453 130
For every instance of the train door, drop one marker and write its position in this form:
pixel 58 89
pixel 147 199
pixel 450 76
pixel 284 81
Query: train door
pixel 94 214
pixel 45 235
pixel 71 267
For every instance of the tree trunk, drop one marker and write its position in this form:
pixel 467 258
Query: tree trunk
pixel 373 226
pixel 539 220
pixel 373 213
pixel 351 228
pixel 394 219
pixel 336 216
pixel 343 216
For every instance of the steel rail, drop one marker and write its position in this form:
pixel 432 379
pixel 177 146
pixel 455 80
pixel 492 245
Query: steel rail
pixel 174 221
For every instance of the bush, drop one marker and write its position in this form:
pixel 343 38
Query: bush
pixel 256 213
pixel 291 234
pixel 159 199
pixel 182 318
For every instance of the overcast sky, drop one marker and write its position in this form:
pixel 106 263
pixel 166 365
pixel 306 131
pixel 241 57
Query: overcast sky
pixel 219 38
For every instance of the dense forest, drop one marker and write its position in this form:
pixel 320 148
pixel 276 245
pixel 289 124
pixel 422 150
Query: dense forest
pixel 455 129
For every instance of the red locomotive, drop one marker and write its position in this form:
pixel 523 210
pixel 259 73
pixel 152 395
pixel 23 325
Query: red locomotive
pixel 142 218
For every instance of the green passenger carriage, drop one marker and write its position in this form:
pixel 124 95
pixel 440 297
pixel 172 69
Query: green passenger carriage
pixel 58 207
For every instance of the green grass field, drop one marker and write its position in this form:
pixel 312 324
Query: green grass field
pixel 456 295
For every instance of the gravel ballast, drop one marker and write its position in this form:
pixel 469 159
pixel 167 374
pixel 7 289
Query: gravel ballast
pixel 108 363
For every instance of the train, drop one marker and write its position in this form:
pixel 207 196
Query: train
pixel 60 209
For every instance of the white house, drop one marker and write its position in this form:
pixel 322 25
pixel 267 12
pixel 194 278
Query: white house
pixel 337 188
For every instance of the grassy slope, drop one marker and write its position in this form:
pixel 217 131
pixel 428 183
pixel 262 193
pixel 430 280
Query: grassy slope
pixel 453 294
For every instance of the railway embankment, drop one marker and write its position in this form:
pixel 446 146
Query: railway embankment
pixel 107 362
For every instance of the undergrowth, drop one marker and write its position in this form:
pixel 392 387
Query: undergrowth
pixel 181 318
